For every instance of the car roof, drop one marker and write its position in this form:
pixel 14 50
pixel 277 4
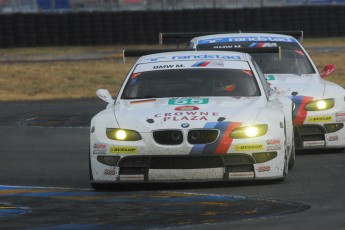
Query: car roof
pixel 263 36
pixel 195 56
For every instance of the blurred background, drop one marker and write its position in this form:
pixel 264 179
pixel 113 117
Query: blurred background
pixel 53 49
pixel 11 6
pixel 32 23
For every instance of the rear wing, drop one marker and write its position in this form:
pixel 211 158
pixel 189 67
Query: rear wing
pixel 142 52
pixel 187 36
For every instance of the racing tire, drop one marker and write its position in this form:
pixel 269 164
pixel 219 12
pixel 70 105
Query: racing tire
pixel 286 164
pixel 292 157
pixel 339 150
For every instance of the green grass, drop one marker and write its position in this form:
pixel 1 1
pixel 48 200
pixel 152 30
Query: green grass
pixel 39 80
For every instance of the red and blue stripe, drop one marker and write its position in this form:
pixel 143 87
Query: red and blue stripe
pixel 223 143
pixel 300 113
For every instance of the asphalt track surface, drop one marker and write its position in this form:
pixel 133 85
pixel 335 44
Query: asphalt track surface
pixel 44 184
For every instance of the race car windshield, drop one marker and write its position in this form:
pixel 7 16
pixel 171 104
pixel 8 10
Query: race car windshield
pixel 290 62
pixel 293 60
pixel 191 83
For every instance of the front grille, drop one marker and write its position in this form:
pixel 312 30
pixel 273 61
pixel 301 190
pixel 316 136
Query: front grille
pixel 168 137
pixel 202 136
pixel 310 129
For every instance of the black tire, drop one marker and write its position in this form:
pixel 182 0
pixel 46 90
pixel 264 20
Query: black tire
pixel 339 150
pixel 292 157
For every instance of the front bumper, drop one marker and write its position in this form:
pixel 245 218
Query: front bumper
pixel 316 136
pixel 182 168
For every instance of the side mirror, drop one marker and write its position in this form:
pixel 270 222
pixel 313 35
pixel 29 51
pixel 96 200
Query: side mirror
pixel 105 96
pixel 328 70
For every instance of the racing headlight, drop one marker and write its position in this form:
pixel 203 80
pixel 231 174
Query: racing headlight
pixel 123 134
pixel 249 131
pixel 320 105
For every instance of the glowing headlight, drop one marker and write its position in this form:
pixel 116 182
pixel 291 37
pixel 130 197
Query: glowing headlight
pixel 252 131
pixel 249 131
pixel 320 105
pixel 123 135
pixel 120 134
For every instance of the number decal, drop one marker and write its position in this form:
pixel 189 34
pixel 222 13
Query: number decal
pixel 188 101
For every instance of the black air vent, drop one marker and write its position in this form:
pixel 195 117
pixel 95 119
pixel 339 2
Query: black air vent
pixel 168 137
pixel 201 136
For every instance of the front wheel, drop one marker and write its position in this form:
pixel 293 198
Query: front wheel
pixel 292 157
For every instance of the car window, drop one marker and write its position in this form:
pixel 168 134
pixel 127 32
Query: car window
pixel 263 80
pixel 191 83
pixel 290 62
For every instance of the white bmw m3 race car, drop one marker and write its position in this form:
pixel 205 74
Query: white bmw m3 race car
pixel 192 116
pixel 319 113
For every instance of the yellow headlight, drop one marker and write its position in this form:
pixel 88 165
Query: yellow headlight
pixel 123 134
pixel 249 131
pixel 120 134
pixel 252 131
pixel 320 105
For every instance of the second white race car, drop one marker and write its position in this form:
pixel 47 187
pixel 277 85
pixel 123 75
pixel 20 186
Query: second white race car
pixel 319 114
pixel 192 116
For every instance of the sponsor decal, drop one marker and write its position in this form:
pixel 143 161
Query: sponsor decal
pixel 186 116
pixel 100 151
pixel 109 172
pixel 247 39
pixel 340 116
pixel 195 57
pixel 99 146
pixel 123 149
pixel 208 64
pixel 188 101
pixel 315 119
pixel 264 168
pixel 241 174
pixel 142 101
pixel 274 147
pixel 313 143
pixel 270 77
pixel 186 108
pixel 248 147
pixel 273 142
pixel 132 177
pixel 333 138
pixel 207 56
pixel 262 44
pixel 168 66
pixel 201 64
pixel 226 46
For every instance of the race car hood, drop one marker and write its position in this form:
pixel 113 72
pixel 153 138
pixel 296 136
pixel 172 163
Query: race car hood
pixel 152 114
pixel 298 85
